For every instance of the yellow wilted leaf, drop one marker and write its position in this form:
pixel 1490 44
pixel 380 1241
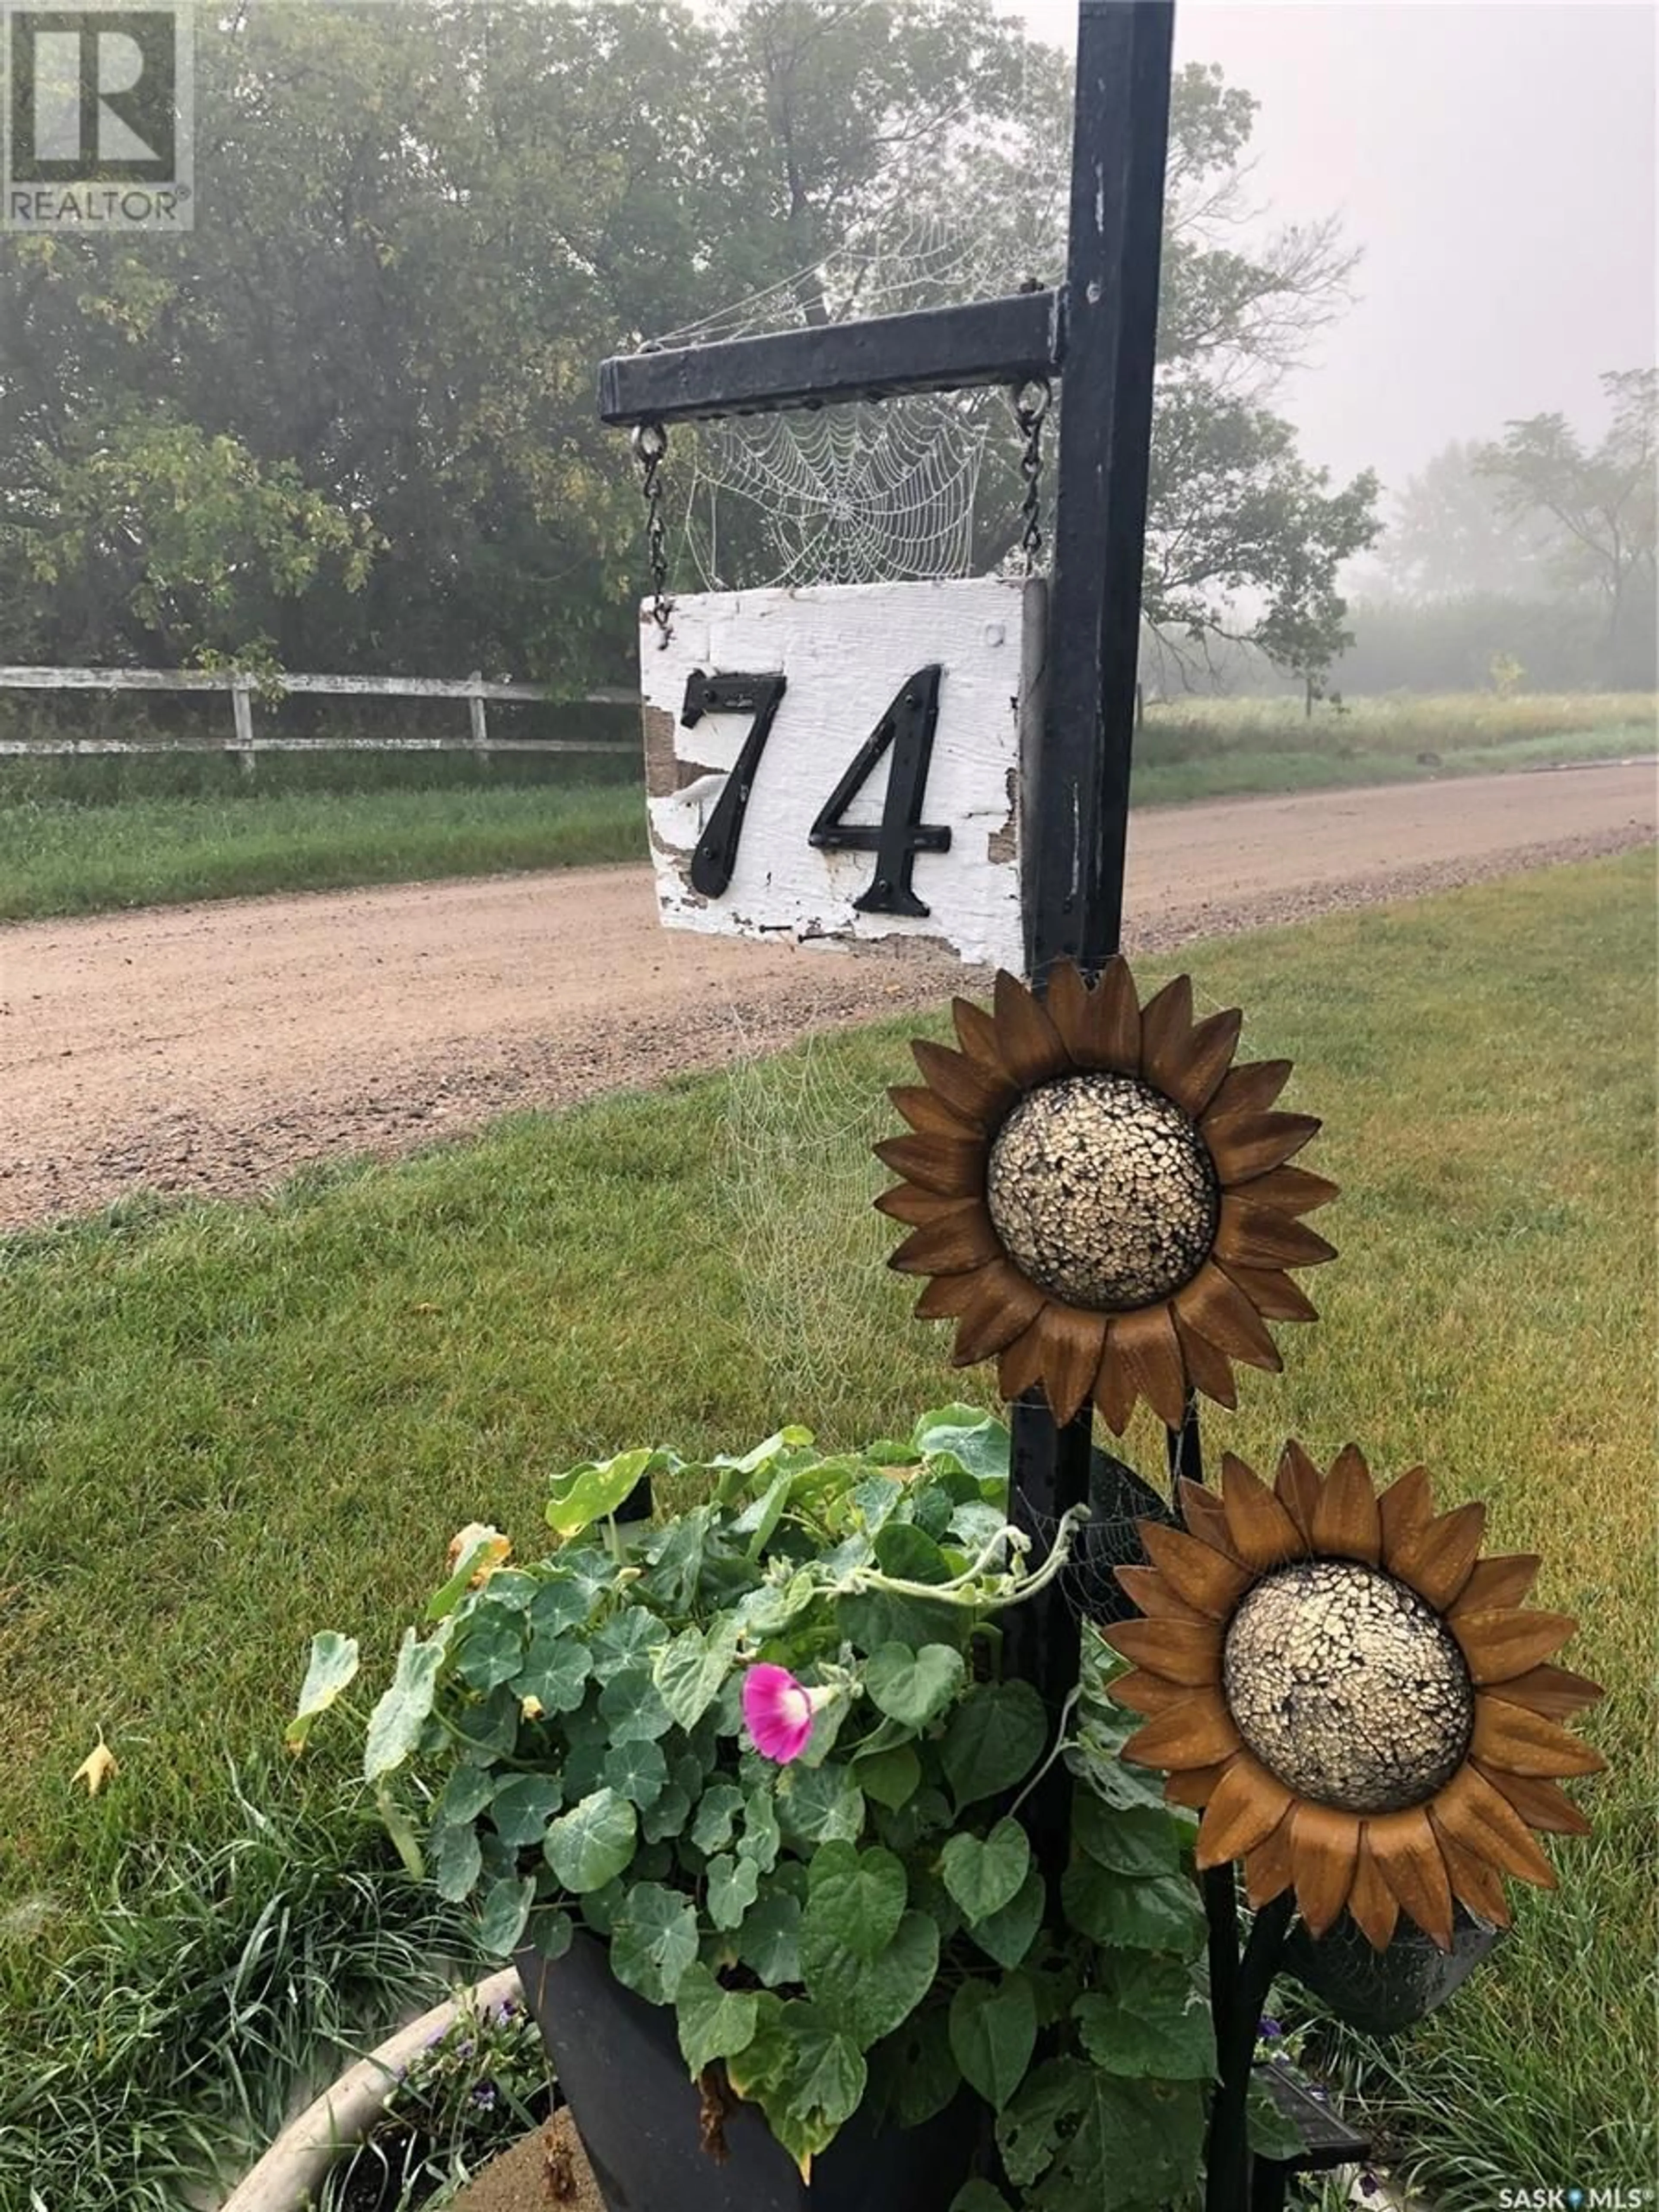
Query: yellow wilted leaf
pixel 96 1768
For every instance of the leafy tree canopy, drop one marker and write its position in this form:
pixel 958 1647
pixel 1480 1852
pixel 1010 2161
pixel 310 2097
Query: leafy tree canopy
pixel 351 414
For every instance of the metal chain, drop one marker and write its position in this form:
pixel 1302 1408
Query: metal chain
pixel 650 445
pixel 1031 402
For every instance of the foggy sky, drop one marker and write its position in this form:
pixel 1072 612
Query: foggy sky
pixel 1496 160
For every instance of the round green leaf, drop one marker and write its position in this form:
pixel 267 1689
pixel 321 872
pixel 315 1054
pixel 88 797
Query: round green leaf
pixel 502 1910
pixel 637 1771
pixel 768 1941
pixel 654 1938
pixel 592 1843
pixel 733 1886
pixel 983 1874
pixel 455 1861
pixel 913 1686
pixel 521 1809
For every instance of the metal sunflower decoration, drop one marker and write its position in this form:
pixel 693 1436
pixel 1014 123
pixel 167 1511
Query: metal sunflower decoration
pixel 1101 1198
pixel 1353 1696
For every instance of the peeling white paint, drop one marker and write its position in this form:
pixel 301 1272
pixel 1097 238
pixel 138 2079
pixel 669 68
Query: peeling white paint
pixel 845 651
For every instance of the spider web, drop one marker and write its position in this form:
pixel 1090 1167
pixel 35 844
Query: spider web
pixel 859 493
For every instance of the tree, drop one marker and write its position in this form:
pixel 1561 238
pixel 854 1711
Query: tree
pixel 1600 499
pixel 421 227
pixel 1452 536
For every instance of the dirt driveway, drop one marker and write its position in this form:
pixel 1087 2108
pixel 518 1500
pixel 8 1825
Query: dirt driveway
pixel 215 1047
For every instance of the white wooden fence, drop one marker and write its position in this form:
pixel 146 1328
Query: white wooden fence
pixel 245 741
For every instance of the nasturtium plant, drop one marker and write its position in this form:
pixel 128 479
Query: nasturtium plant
pixel 763 1751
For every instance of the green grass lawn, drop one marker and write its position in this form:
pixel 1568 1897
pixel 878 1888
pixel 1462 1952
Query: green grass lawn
pixel 223 1427
pixel 157 847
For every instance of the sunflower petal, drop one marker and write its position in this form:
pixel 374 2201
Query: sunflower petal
pixel 1207 1579
pixel 1209 1368
pixel 1524 1742
pixel 1180 1650
pixel 1114 1394
pixel 1297 1485
pixel 1482 1819
pixel 953 1166
pixel 971 1092
pixel 1406 1509
pixel 1243 1146
pixel 1003 1305
pixel 1110 1037
pixel 1145 1588
pixel 905 1202
pixel 929 1115
pixel 1347 1525
pixel 1021 1365
pixel 1028 1043
pixel 1272 1294
pixel 1065 1001
pixel 1071 1344
pixel 1194 1786
pixel 1503 1580
pixel 1246 1806
pixel 1147 1693
pixel 1261 1236
pixel 1324 1845
pixel 1197 1732
pixel 1263 1534
pixel 1201 1061
pixel 1145 1346
pixel 945 1297
pixel 1250 1089
pixel 1501 1644
pixel 1555 1692
pixel 1371 1903
pixel 953 1245
pixel 976 1033
pixel 1165 1020
pixel 1407 1855
pixel 1437 1560
pixel 1206 1518
pixel 1270 1867
pixel 1214 1305
pixel 1290 1190
pixel 1539 1803
pixel 1475 1881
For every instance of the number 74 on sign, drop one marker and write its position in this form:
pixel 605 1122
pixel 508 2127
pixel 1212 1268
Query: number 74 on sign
pixel 842 762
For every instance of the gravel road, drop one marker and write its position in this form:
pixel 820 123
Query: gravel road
pixel 213 1049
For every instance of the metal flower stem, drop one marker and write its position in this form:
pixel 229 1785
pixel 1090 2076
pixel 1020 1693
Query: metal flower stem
pixel 1238 1990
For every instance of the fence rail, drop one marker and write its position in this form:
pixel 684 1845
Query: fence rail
pixel 244 741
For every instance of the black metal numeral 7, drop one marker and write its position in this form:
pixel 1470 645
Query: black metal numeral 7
pixel 717 848
pixel 907 726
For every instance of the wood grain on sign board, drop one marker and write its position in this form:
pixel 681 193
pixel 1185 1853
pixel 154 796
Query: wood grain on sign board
pixel 845 651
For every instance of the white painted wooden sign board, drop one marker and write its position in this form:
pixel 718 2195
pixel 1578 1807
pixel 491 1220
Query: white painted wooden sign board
pixel 855 661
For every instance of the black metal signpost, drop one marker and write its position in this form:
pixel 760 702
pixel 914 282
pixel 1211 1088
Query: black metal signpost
pixel 1098 333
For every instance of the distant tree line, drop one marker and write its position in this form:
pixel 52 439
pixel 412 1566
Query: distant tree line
pixel 348 421
pixel 1529 560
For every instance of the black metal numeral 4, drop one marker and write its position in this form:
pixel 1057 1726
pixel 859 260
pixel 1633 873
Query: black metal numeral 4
pixel 717 848
pixel 907 726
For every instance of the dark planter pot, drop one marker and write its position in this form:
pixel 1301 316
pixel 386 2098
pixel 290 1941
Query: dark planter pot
pixel 1383 1991
pixel 618 2065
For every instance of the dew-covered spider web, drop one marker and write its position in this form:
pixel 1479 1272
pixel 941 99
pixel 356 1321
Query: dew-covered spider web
pixel 898 491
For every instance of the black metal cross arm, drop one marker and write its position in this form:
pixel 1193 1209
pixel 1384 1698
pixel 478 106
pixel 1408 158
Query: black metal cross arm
pixel 1007 341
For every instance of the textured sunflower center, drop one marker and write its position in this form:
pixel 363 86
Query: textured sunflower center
pixel 1102 1192
pixel 1347 1687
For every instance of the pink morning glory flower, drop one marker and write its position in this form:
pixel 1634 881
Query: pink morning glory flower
pixel 778 1711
